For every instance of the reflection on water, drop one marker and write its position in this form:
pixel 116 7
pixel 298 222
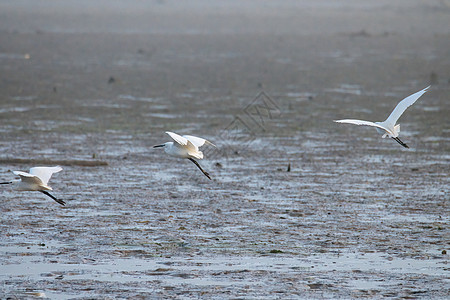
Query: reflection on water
pixel 297 208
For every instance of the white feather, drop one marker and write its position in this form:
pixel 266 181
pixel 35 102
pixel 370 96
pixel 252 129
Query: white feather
pixel 197 141
pixel 366 123
pixel 388 127
pixel 185 147
pixel 29 180
pixel 178 138
pixel 45 173
pixel 402 106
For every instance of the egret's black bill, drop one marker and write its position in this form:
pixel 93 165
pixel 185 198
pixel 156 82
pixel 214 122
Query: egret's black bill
pixel 9 182
pixel 158 146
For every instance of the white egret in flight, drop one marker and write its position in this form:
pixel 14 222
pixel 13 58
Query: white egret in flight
pixel 388 127
pixel 186 146
pixel 36 180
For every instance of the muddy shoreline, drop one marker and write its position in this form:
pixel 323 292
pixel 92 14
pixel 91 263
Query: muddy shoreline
pixel 356 216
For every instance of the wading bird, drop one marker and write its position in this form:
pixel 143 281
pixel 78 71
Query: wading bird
pixel 186 146
pixel 388 128
pixel 36 180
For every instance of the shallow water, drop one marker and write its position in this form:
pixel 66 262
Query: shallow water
pixel 299 206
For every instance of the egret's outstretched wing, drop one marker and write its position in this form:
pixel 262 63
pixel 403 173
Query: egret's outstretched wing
pixel 28 178
pixel 361 122
pixel 403 105
pixel 44 173
pixel 198 141
pixel 178 138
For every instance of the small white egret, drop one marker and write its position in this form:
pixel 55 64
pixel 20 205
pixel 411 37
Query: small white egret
pixel 36 180
pixel 388 127
pixel 186 146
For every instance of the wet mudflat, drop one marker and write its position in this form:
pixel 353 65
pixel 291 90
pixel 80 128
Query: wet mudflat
pixel 299 207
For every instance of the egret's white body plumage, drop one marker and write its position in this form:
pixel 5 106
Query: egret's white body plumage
pixel 36 180
pixel 186 146
pixel 389 128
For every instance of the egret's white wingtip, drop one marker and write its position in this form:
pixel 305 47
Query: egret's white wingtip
pixel 425 89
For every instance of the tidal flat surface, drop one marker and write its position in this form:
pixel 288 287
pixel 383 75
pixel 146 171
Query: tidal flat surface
pixel 299 206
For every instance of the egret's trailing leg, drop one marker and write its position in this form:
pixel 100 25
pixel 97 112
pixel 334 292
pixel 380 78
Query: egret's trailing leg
pixel 36 180
pixel 389 126
pixel 197 164
pixel 400 142
pixel 53 197
pixel 186 146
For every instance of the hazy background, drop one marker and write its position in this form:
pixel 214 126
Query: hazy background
pixel 299 206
